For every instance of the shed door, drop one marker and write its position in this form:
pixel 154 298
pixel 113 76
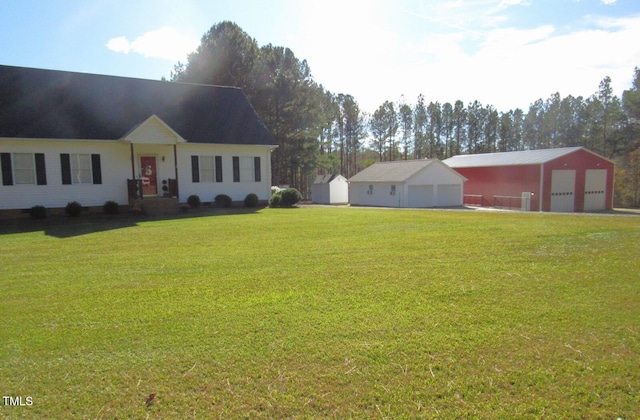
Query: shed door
pixel 421 196
pixel 595 186
pixel 449 195
pixel 563 185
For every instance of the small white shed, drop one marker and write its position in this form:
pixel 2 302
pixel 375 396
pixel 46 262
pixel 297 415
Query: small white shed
pixel 407 183
pixel 330 189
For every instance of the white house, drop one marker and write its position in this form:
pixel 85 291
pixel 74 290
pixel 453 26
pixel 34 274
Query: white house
pixel 90 138
pixel 330 189
pixel 407 183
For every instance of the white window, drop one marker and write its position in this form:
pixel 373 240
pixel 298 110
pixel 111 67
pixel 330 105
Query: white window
pixel 207 169
pixel 81 168
pixel 393 190
pixel 24 168
pixel 246 169
pixel 370 191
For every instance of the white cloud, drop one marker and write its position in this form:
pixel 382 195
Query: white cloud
pixel 165 43
pixel 508 68
pixel 506 3
pixel 514 65
pixel 608 2
pixel 120 44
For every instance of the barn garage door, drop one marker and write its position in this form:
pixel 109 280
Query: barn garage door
pixel 563 185
pixel 449 195
pixel 421 196
pixel 595 186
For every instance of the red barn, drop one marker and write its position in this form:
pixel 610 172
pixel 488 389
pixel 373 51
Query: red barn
pixel 568 179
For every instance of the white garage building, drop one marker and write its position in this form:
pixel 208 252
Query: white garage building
pixel 407 183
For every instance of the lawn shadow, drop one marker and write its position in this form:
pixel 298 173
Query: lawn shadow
pixel 61 227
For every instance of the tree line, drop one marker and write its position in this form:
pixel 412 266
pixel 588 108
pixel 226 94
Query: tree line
pixel 318 131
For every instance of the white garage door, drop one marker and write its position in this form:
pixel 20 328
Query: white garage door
pixel 563 185
pixel 595 186
pixel 421 196
pixel 449 195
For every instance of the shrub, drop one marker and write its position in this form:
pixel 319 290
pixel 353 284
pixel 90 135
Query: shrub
pixel 193 201
pixel 73 209
pixel 111 207
pixel 223 200
pixel 290 196
pixel 38 212
pixel 251 200
pixel 276 200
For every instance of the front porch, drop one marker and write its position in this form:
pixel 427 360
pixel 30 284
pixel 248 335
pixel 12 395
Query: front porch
pixel 154 166
pixel 136 189
pixel 156 206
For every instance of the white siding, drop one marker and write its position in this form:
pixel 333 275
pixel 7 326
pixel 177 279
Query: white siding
pixel 114 160
pixel 435 185
pixel 434 174
pixel 339 191
pixel 379 196
pixel 152 131
pixel 320 193
pixel 236 190
pixel 334 192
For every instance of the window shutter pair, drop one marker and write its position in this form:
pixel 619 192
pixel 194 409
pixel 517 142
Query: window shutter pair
pixel 7 171
pixel 257 177
pixel 65 165
pixel 195 168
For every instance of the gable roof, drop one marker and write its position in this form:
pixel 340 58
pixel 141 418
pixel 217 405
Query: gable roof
pixel 396 171
pixel 525 157
pixel 52 104
pixel 326 179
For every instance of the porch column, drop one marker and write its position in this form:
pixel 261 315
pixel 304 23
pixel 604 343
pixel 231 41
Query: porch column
pixel 175 163
pixel 133 164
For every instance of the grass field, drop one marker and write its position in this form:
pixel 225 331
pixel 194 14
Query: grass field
pixel 323 313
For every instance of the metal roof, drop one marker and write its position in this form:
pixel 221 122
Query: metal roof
pixel 397 171
pixel 525 157
pixel 50 104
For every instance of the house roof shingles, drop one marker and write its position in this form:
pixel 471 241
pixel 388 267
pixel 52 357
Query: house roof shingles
pixel 326 179
pixel 397 171
pixel 50 104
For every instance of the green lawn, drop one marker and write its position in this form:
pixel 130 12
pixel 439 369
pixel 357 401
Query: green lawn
pixel 323 313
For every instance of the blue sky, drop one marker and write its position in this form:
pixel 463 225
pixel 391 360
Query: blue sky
pixel 505 53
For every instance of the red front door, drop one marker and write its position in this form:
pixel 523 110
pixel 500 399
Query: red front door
pixel 149 175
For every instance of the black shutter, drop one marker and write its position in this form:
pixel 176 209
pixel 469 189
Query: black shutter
pixel 65 166
pixel 7 173
pixel 195 169
pixel 256 168
pixel 236 169
pixel 41 171
pixel 218 168
pixel 96 169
